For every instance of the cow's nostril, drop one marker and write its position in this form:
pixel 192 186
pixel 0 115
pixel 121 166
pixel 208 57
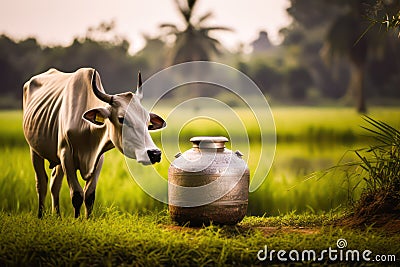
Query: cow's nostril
pixel 154 155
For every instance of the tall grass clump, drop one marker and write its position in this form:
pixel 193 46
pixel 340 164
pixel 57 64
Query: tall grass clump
pixel 380 170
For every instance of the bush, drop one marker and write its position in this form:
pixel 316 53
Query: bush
pixel 380 165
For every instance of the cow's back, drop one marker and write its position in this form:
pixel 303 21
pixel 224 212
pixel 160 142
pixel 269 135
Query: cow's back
pixel 42 100
pixel 54 103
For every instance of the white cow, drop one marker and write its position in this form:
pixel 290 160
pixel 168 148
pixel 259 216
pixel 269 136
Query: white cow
pixel 70 121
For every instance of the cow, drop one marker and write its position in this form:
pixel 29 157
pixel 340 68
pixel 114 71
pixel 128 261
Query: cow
pixel 70 121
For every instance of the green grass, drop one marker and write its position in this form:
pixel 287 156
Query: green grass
pixel 130 228
pixel 11 129
pixel 311 124
pixel 286 188
pixel 151 239
pixel 116 187
pixel 292 124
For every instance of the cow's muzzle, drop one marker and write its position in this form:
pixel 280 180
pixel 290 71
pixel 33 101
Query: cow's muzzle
pixel 154 155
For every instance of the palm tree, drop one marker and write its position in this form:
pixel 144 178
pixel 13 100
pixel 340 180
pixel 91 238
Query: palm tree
pixel 194 41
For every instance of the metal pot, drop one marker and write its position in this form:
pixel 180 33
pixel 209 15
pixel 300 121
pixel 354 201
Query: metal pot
pixel 208 183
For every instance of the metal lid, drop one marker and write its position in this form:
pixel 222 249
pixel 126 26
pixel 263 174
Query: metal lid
pixel 209 141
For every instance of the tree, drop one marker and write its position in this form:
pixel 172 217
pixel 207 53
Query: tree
pixel 101 48
pixel 299 81
pixel 268 78
pixel 18 61
pixel 343 39
pixel 349 35
pixel 304 39
pixel 194 42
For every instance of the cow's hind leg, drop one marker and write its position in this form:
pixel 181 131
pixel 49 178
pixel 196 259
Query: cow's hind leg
pixel 75 188
pixel 41 180
pixel 90 188
pixel 55 186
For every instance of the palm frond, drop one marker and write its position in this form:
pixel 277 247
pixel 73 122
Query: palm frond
pixel 168 25
pixel 173 28
pixel 194 41
pixel 191 3
pixel 217 28
pixel 184 11
pixel 205 17
pixel 169 29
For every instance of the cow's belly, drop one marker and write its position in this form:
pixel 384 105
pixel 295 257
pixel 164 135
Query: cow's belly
pixel 47 151
pixel 43 142
pixel 40 124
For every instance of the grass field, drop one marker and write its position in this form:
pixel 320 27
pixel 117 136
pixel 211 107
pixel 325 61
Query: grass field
pixel 122 239
pixel 129 227
pixel 292 124
pixel 286 188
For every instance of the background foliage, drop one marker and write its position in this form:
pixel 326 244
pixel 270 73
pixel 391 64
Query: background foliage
pixel 333 52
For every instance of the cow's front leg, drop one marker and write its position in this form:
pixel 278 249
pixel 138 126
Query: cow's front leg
pixel 55 186
pixel 90 188
pixel 75 188
pixel 41 180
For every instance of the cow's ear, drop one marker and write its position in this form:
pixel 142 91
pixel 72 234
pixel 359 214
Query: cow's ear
pixel 156 122
pixel 96 116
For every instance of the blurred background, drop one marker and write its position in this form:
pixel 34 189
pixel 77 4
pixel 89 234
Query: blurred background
pixel 298 52
pixel 320 63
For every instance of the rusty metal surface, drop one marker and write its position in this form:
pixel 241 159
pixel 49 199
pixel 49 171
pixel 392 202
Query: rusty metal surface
pixel 205 165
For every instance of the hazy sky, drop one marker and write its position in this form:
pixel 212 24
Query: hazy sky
pixel 58 22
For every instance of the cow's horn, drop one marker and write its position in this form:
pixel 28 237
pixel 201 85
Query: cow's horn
pixel 100 95
pixel 139 89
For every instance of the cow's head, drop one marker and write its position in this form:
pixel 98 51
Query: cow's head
pixel 125 115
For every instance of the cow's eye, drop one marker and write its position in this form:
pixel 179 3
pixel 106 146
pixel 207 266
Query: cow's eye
pixel 121 120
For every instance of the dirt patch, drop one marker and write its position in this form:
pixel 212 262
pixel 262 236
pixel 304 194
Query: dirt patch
pixel 389 223
pixel 380 210
pixel 383 202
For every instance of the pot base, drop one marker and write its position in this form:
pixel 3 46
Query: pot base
pixel 214 213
